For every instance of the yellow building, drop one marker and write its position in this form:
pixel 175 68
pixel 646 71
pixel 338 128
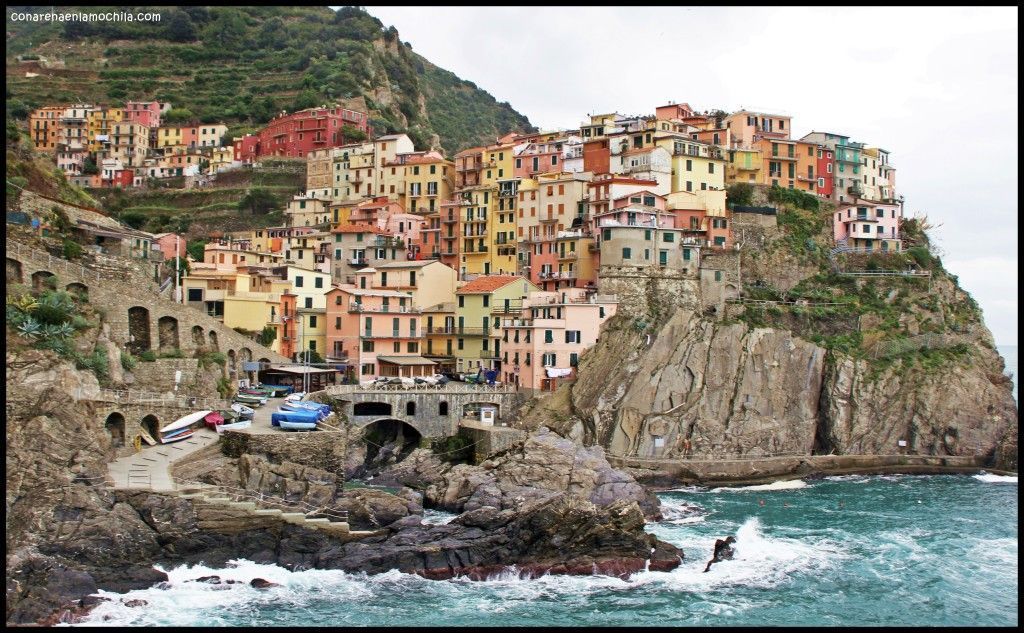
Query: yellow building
pixel 428 281
pixel 477 330
pixel 100 123
pixel 221 157
pixel 428 181
pixel 698 169
pixel 744 165
pixel 353 173
pixel 255 303
pixel 439 332
pixel 310 288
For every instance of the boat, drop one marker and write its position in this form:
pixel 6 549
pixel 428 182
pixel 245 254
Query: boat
pixel 242 410
pixel 293 416
pixel 295 397
pixel 298 426
pixel 147 438
pixel 247 399
pixel 185 421
pixel 324 409
pixel 234 426
pixel 278 390
pixel 179 434
pixel 214 419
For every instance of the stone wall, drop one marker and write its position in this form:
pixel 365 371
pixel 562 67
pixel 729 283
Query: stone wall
pixel 719 277
pixel 116 297
pixel 323 449
pixel 645 292
pixel 488 440
pixel 39 206
pixel 159 375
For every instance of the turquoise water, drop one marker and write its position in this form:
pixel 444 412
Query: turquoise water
pixel 883 550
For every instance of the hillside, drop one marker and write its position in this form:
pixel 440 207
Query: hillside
pixel 241 65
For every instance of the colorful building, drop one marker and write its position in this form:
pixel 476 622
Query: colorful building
pixel 477 335
pixel 868 225
pixel 297 134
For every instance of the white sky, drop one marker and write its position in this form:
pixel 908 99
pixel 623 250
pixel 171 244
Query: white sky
pixel 937 87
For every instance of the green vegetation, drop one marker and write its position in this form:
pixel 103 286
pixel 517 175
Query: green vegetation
pixel 128 361
pixel 208 359
pixel 267 337
pixel 794 198
pixel 174 353
pixel 148 356
pixel 453 449
pixel 242 65
pixel 740 193
pixel 71 249
pixel 257 202
pixel 225 387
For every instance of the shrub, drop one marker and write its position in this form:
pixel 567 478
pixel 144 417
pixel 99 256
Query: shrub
pixel 456 448
pixel 128 361
pixel 212 358
pixel 174 353
pixel 148 356
pixel 740 193
pixel 72 249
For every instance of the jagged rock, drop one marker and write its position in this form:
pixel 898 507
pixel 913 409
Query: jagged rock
pixel 543 467
pixel 370 509
pixel 260 583
pixel 135 603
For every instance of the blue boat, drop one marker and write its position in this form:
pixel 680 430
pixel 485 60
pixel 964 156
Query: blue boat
pixel 293 416
pixel 298 426
pixel 322 409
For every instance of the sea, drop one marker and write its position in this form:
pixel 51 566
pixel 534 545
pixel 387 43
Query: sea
pixel 847 550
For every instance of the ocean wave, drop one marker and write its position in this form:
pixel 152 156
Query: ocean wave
pixel 853 479
pixel 679 512
pixel 437 517
pixel 989 478
pixel 793 484
pixel 690 489
pixel 759 561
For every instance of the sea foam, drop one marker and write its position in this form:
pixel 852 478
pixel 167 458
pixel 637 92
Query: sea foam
pixel 989 478
pixel 794 484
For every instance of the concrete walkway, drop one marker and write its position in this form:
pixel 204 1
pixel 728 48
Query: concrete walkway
pixel 149 469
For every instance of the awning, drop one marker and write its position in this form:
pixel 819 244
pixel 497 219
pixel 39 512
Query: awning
pixel 405 360
pixel 300 370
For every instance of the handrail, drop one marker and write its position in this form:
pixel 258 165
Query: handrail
pixel 127 396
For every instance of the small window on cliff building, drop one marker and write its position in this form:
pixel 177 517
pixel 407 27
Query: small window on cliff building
pixel 659 442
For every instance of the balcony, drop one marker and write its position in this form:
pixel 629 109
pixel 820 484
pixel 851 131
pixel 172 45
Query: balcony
pixel 390 334
pixel 475 220
pixel 449 220
pixel 358 307
pixel 568 255
pixel 479 250
pixel 547 219
pixel 389 242
pixel 456 330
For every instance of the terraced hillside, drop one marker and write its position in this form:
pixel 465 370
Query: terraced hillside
pixel 242 65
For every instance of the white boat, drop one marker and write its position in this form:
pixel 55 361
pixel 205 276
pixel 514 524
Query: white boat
pixel 241 409
pixel 234 426
pixel 295 397
pixel 186 420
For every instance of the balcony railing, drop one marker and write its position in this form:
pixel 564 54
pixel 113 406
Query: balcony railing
pixel 568 255
pixel 358 307
pixel 357 261
pixel 458 330
pixel 389 242
pixel 390 334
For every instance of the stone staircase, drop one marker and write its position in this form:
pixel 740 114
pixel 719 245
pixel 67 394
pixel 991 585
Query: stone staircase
pixel 217 511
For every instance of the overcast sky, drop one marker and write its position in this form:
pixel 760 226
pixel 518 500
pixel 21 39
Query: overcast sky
pixel 936 87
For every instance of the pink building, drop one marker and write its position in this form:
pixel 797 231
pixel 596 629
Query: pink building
pixel 542 346
pixel 868 225
pixel 379 332
pixel 167 242
pixel 146 113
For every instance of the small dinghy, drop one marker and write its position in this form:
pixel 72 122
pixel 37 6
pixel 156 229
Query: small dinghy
pixel 297 426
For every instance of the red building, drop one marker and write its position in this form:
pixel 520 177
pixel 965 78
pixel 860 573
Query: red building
pixel 825 167
pixel 596 156
pixel 146 113
pixel 296 135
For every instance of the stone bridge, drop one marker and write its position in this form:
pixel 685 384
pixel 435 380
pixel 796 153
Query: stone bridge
pixel 124 413
pixel 139 319
pixel 432 410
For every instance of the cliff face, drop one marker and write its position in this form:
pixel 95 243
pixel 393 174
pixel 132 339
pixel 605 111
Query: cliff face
pixel 730 390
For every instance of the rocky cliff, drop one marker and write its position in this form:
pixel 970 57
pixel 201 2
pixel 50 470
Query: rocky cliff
pixel 822 362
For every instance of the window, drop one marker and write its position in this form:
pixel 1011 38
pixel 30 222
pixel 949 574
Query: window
pixel 879 213
pixel 318 282
pixel 821 182
pixel 689 186
pixel 686 254
pixel 337 323
pixel 627 253
pixel 549 336
pixel 718 275
pixel 195 294
pixel 663 258
pixel 607 234
pixel 689 165
pixel 572 336
pixel 309 302
pixel 462 301
pixel 312 321
pixel 649 201
pixel 487 301
pixel 367 369
pixel 647 234
pixel 574 359
pixel 461 343
pixel 668 237
pixel 711 168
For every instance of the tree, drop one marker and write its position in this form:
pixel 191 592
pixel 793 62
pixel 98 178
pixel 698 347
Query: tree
pixel 179 115
pixel 740 193
pixel 182 265
pixel 196 249
pixel 306 99
pixel 180 28
pixel 89 168
pixel 267 336
pixel 134 219
pixel 352 134
pixel 257 201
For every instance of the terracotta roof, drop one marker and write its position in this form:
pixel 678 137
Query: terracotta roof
pixel 488 283
pixel 356 228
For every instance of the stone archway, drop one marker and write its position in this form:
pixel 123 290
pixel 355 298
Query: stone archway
pixel 138 330
pixel 151 424
pixel 197 336
pixel 13 271
pixel 472 408
pixel 44 280
pixel 167 330
pixel 232 362
pixel 115 427
pixel 81 291
pixel 371 408
pixel 245 355
pixel 389 440
pixel 213 341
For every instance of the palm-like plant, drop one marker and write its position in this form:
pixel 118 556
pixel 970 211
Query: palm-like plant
pixel 24 303
pixel 30 328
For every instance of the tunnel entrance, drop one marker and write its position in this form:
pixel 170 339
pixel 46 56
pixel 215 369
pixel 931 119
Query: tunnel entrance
pixel 387 442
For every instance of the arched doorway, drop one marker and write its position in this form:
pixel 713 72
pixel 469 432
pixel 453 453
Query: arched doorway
pixel 197 336
pixel 80 291
pixel 138 329
pixel 213 341
pixel 167 329
pixel 13 271
pixel 114 426
pixel 151 424
pixel 372 408
pixel 44 280
pixel 232 362
pixel 410 408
